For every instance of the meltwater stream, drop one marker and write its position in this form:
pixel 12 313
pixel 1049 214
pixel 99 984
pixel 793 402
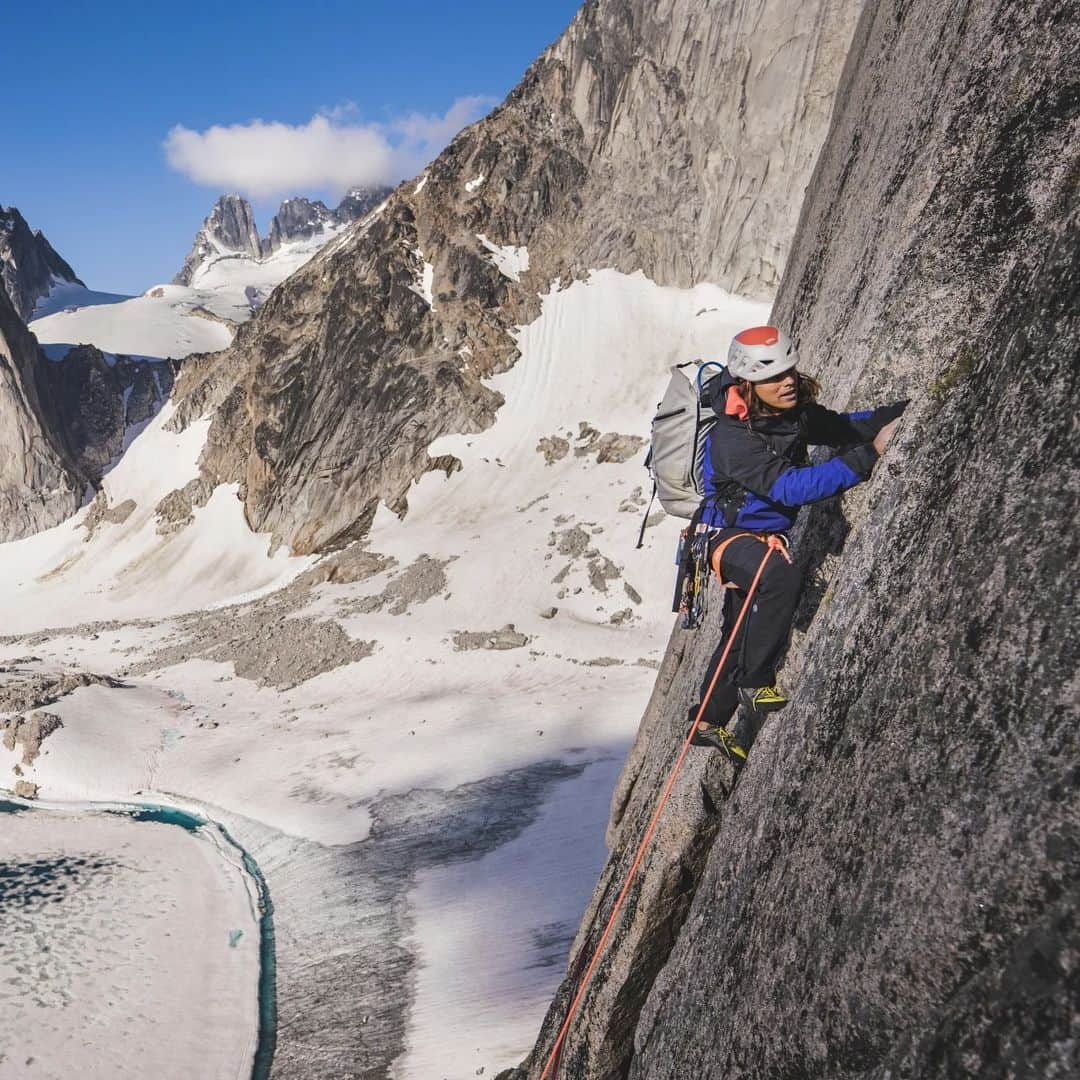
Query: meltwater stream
pixel 193 822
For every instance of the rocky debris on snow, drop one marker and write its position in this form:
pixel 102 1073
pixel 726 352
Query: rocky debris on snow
pixel 577 543
pixel 22 690
pixel 101 513
pixel 351 564
pixel 549 613
pixel 504 638
pixel 201 312
pixel 633 502
pixel 267 641
pixel 625 615
pixel 445 463
pixel 420 581
pixel 608 447
pixel 603 661
pixel 28 733
pixel 176 510
pixel 601 570
pixel 24 789
pixel 83 630
pixel 631 592
pixel 573 541
pixel 553 447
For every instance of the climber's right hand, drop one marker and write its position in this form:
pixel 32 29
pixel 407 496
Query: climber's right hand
pixel 884 436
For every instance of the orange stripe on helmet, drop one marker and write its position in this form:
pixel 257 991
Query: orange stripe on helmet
pixel 759 335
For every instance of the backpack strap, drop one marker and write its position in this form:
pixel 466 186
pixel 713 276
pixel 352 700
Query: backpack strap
pixel 645 517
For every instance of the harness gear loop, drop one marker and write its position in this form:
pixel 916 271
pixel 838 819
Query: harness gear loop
pixel 774 543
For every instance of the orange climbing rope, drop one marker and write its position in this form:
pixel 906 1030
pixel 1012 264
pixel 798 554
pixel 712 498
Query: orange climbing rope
pixel 774 543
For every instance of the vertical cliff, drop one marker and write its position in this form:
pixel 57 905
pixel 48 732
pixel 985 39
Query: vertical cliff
pixel 891 888
pixel 39 484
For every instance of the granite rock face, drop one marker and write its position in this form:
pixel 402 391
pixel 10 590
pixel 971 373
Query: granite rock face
pixel 357 202
pixel 39 482
pixel 229 230
pixel 297 219
pixel 673 140
pixel 28 263
pixel 97 397
pixel 891 888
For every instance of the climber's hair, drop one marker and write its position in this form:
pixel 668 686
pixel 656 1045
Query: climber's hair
pixel 809 390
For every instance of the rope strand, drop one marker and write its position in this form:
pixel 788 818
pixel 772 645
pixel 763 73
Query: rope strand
pixel 774 544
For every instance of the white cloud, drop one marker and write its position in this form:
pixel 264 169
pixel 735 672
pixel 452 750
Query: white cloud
pixel 266 159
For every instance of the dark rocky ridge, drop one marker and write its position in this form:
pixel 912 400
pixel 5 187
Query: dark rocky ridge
pixel 301 219
pixel 39 482
pixel 891 890
pixel 674 142
pixel 28 263
pixel 97 398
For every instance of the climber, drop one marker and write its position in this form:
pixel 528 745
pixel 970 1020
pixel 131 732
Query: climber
pixel 757 474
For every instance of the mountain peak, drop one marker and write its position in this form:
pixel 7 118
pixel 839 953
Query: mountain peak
pixel 228 230
pixel 29 265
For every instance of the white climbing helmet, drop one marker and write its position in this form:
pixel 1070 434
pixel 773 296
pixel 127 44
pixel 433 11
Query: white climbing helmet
pixel 760 353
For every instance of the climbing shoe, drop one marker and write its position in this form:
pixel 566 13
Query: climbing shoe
pixel 763 699
pixel 720 739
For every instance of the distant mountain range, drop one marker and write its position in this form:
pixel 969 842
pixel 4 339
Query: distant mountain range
pixel 230 232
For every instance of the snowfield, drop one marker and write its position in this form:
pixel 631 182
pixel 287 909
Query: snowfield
pixel 173 321
pixel 455 744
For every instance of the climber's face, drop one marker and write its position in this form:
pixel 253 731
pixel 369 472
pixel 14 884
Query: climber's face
pixel 781 391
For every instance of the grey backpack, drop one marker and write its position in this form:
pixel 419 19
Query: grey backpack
pixel 677 450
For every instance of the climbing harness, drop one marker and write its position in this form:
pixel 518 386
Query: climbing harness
pixel 692 578
pixel 773 543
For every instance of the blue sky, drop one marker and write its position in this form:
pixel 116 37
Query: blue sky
pixel 94 91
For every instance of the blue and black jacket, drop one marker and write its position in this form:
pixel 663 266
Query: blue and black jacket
pixel 757 470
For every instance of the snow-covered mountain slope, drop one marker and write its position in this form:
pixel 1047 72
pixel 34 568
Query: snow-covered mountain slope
pixel 228 275
pixel 167 322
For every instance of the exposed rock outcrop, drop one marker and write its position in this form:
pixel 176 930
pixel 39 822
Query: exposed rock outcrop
pixel 892 888
pixel 98 397
pixel 674 141
pixel 29 266
pixel 302 219
pixel 28 733
pixel 228 231
pixel 39 482
pixel 297 219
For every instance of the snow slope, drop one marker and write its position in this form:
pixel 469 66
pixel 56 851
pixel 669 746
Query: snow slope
pixel 444 701
pixel 173 321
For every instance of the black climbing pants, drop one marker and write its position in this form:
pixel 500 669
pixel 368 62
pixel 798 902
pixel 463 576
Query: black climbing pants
pixel 765 628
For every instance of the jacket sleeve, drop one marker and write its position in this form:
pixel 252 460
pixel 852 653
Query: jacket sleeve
pixel 827 428
pixel 737 453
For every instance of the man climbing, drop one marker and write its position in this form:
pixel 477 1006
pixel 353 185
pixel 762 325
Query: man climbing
pixel 757 475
